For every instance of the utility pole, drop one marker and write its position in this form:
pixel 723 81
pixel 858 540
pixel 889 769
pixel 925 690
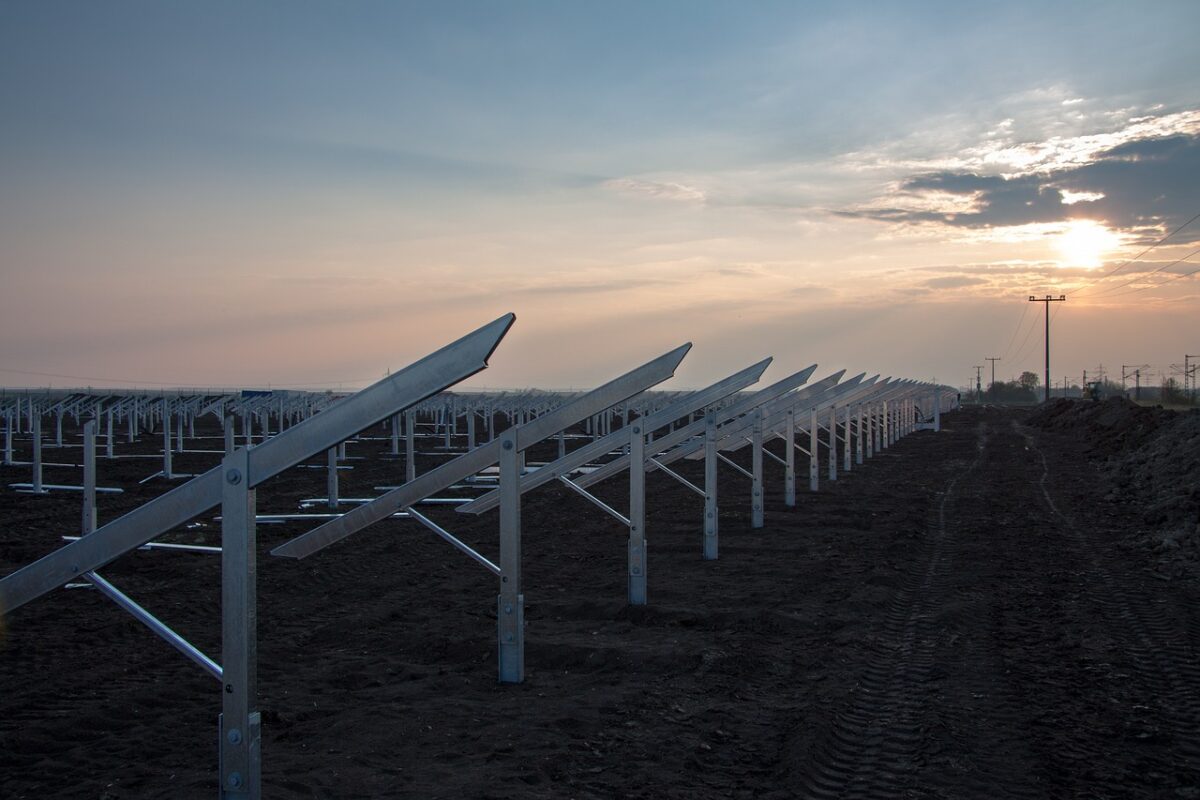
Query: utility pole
pixel 1135 370
pixel 1047 300
pixel 1189 370
pixel 992 386
pixel 978 389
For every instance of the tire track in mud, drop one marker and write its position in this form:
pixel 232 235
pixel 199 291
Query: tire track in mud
pixel 1160 643
pixel 878 741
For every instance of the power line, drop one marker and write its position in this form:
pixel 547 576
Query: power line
pixel 1016 330
pixel 1173 277
pixel 1120 267
pixel 1110 289
pixel 1021 350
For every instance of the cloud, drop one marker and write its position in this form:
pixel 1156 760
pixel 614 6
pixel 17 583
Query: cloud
pixel 1143 187
pixel 615 284
pixel 953 282
pixel 813 291
pixel 656 189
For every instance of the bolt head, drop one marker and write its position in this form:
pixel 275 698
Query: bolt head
pixel 234 477
pixel 234 736
pixel 507 445
pixel 235 780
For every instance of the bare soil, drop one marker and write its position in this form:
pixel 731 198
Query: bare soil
pixel 970 614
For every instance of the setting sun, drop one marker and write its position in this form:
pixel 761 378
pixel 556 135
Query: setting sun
pixel 1084 243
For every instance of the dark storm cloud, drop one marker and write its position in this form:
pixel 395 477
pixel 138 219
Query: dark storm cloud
pixel 1149 185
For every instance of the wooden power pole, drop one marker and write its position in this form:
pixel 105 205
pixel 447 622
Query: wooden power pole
pixel 1048 300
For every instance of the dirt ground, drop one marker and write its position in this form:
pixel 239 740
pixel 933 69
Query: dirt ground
pixel 971 614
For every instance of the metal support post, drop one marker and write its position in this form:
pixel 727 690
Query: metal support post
pixel 833 448
pixel 510 605
pixel 710 487
pixel 241 767
pixel 166 423
pixel 637 515
pixel 89 478
pixel 58 428
pixel 108 453
pixel 410 446
pixel 858 442
pixel 814 462
pixel 331 478
pixel 230 434
pixel 756 483
pixel 789 480
pixel 562 444
pixel 179 432
pixel 937 413
pixel 37 455
pixel 884 422
pixel 8 437
pixel 846 444
pixel 395 434
pixel 872 431
pixel 471 429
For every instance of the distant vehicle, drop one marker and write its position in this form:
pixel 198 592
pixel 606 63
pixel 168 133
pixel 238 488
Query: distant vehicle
pixel 1094 390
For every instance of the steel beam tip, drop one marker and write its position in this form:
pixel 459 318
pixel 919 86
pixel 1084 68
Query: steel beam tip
pixel 498 328
pixel 283 551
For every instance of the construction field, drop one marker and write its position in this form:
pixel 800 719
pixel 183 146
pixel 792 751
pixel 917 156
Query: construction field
pixel 1006 608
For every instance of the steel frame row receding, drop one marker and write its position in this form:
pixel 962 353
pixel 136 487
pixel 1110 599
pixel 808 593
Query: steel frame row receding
pixel 231 485
pixel 727 422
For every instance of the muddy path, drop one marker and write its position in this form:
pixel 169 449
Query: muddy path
pixel 959 617
pixel 1025 656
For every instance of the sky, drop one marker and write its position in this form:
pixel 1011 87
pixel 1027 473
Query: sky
pixel 315 193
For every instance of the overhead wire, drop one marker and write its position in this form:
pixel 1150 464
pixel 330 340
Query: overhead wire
pixel 1122 266
pixel 1110 290
pixel 1021 350
pixel 1016 330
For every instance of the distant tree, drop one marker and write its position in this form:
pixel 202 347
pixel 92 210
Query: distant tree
pixel 1028 381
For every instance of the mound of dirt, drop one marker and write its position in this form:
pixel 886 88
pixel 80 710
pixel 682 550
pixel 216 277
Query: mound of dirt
pixel 1150 459
pixel 1111 427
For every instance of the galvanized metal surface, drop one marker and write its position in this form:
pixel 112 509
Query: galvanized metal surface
pixel 428 376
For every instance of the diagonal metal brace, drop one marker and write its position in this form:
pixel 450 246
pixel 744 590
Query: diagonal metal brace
pixel 596 501
pixel 401 389
pixel 735 465
pixel 677 476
